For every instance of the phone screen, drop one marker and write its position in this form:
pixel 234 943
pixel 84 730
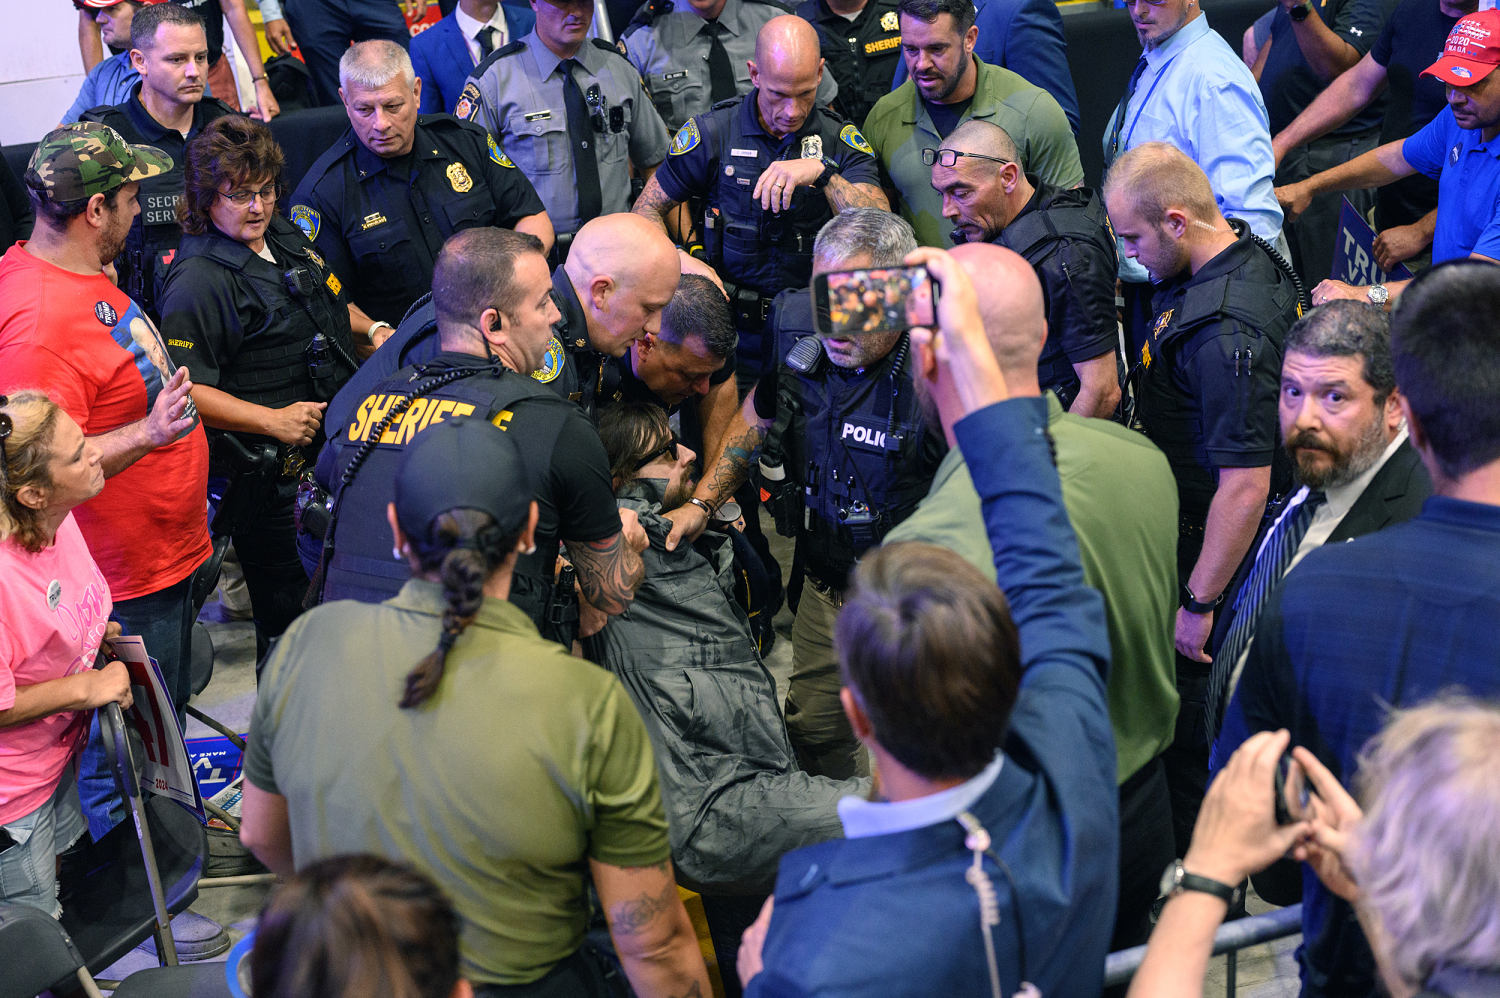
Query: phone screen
pixel 882 300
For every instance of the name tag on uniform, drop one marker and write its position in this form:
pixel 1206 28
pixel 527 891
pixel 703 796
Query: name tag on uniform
pixel 668 77
pixel 371 220
pixel 868 436
pixel 539 115
pixel 747 153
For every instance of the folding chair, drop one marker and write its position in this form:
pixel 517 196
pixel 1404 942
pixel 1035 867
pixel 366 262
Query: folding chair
pixel 37 954
pixel 139 875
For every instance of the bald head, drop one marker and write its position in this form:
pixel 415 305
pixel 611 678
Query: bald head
pixel 1155 177
pixel 985 138
pixel 624 270
pixel 785 72
pixel 787 40
pixel 1011 307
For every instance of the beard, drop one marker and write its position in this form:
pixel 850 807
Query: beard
pixel 1342 466
pixel 677 495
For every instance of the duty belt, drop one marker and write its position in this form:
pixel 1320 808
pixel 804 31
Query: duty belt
pixel 750 307
pixel 833 594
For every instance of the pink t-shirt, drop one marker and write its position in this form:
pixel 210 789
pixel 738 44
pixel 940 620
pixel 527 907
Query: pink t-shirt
pixel 54 606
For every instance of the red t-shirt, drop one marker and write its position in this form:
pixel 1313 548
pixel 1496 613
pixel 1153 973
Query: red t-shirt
pixel 83 341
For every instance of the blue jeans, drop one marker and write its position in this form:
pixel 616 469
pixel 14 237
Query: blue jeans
pixel 164 620
pixel 28 866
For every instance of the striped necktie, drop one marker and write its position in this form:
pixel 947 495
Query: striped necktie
pixel 1275 558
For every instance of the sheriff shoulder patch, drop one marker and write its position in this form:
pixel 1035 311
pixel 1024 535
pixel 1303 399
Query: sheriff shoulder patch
pixel 497 155
pixel 468 102
pixel 306 219
pixel 854 140
pixel 686 139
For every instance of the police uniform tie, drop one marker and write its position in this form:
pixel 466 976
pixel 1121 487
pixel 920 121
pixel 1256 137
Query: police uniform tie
pixel 1112 150
pixel 1266 574
pixel 580 134
pixel 721 84
pixel 485 36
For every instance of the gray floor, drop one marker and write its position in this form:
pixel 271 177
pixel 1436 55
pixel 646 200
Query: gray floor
pixel 1265 971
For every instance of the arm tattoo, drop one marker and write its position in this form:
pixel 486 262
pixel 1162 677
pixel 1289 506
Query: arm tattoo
pixel 734 463
pixel 630 917
pixel 608 572
pixel 843 195
pixel 654 203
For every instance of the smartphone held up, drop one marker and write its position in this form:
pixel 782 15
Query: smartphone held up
pixel 881 300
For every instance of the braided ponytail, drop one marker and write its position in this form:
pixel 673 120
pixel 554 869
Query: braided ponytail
pixel 464 548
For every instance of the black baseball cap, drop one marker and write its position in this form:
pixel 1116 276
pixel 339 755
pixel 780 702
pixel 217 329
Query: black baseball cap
pixel 462 463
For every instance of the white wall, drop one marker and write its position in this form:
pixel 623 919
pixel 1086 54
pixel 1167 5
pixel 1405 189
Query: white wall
pixel 40 69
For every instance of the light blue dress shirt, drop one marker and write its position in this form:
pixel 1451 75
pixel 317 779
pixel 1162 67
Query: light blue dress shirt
pixel 1197 94
pixel 863 817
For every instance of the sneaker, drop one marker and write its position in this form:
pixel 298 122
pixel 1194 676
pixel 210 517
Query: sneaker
pixel 195 936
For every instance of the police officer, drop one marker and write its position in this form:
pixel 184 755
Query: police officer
pixel 167 109
pixel 853 455
pixel 861 43
pixel 1206 393
pixel 571 111
pixel 772 168
pixel 250 309
pixel 1063 234
pixel 694 53
pixel 493 307
pixel 379 203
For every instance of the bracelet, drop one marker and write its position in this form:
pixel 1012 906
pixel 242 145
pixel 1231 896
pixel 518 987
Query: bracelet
pixel 703 506
pixel 370 333
pixel 257 79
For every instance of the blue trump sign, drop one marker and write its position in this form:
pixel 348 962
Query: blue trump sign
pixel 1354 255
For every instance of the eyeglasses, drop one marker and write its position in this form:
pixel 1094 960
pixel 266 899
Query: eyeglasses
pixel 6 428
pixel 949 157
pixel 242 199
pixel 667 450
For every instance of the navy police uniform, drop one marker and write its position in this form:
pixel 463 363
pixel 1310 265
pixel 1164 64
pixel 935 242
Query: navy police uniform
pixel 516 93
pixel 669 44
pixel 1065 236
pixel 154 234
pixel 862 54
pixel 858 455
pixel 565 464
pixel 381 222
pixel 1206 393
pixel 232 318
pixel 718 156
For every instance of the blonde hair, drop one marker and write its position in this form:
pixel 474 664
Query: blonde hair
pixel 1155 177
pixel 28 455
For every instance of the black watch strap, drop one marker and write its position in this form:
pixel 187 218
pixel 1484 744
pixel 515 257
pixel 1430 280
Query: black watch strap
pixel 1177 879
pixel 1192 604
pixel 1300 12
pixel 830 167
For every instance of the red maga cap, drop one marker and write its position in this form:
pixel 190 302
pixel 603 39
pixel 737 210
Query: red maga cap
pixel 1472 51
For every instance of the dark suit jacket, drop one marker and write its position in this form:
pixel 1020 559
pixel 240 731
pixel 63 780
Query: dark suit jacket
pixel 442 61
pixel 1394 495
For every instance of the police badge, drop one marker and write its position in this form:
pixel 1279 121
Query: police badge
pixel 889 21
pixel 459 178
pixel 812 147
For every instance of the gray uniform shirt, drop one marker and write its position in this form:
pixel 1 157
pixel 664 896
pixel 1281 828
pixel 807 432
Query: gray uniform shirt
pixel 671 53
pixel 517 93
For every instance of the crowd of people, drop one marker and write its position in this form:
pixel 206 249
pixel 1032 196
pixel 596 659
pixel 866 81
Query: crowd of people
pixel 498 401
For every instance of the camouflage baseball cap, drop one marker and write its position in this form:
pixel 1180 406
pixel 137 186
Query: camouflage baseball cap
pixel 80 160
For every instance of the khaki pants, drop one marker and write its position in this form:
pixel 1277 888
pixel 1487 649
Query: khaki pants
pixel 820 733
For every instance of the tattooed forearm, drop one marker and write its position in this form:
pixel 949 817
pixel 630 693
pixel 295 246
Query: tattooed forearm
pixel 654 203
pixel 843 195
pixel 629 917
pixel 734 462
pixel 608 572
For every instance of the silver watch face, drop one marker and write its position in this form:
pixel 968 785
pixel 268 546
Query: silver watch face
pixel 1170 878
pixel 1378 294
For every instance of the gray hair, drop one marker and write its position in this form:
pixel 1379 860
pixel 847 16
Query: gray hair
pixel 1344 328
pixel 873 232
pixel 1427 854
pixel 375 63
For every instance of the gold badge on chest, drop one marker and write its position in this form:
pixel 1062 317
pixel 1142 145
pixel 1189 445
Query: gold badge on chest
pixel 459 178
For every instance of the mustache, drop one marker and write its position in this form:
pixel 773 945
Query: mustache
pixel 1308 441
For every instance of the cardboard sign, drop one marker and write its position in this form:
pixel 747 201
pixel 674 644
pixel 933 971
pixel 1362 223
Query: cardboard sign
pixel 216 763
pixel 165 768
pixel 1354 253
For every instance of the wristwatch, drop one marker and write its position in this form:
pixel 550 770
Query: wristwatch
pixel 1192 604
pixel 1175 880
pixel 703 506
pixel 1300 12
pixel 830 167
pixel 1378 294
